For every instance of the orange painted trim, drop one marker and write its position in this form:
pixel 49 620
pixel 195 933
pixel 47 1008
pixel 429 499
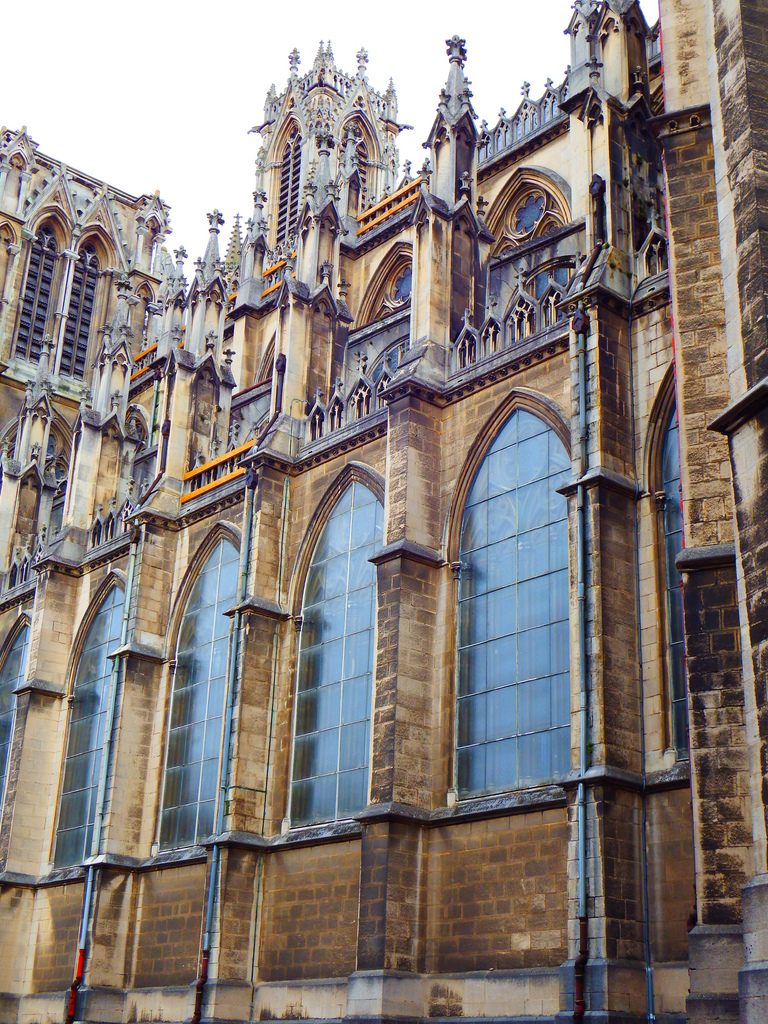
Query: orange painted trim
pixel 218 460
pixel 384 216
pixel 145 352
pixel 406 190
pixel 274 268
pixel 214 483
pixel 272 288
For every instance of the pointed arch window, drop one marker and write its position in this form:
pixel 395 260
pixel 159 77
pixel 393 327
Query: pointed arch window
pixel 85 737
pixel 75 345
pixel 197 703
pixel 335 674
pixel 11 676
pixel 673 545
pixel 37 296
pixel 290 177
pixel 522 321
pixel 513 675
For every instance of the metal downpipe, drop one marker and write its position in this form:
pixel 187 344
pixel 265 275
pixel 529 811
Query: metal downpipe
pixel 580 325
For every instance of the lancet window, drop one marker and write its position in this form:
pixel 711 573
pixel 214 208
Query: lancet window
pixel 513 681
pixel 75 346
pixel 85 737
pixel 37 296
pixel 335 673
pixel 673 545
pixel 197 703
pixel 11 675
pixel 290 177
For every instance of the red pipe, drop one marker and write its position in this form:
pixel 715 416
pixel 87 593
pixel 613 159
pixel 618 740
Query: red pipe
pixel 200 986
pixel 76 983
pixel 579 969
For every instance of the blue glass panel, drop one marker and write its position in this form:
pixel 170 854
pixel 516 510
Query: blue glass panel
pixel 332 722
pixel 85 736
pixel 513 709
pixel 197 703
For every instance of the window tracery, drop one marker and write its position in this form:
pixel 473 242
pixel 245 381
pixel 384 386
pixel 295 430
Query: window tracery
pixel 513 726
pixel 85 737
pixel 11 676
pixel 37 295
pixel 74 348
pixel 335 672
pixel 197 703
pixel 290 179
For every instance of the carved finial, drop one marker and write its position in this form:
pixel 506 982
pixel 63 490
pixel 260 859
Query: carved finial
pixel 525 89
pixel 502 113
pixel 548 84
pixel 215 220
pixel 293 61
pixel 457 50
pixel 180 253
pixel 362 60
pixel 426 171
pixel 210 341
pixel 326 269
pixel 228 354
pixel 466 184
pixel 407 168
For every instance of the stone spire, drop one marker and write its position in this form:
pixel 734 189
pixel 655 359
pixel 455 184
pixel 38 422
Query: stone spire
pixel 211 258
pixel 456 97
pixel 235 247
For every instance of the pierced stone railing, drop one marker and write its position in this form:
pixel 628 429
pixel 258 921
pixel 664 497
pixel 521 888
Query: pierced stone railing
pixel 529 118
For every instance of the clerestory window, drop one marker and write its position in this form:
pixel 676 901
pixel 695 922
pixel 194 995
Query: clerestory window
pixel 513 715
pixel 335 673
pixel 290 178
pixel 75 346
pixel 197 703
pixel 37 296
pixel 85 737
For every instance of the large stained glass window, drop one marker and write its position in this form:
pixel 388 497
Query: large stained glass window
pixel 85 740
pixel 197 703
pixel 673 545
pixel 11 675
pixel 513 682
pixel 335 676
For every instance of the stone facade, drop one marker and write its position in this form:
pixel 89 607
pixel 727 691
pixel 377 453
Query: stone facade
pixel 381 614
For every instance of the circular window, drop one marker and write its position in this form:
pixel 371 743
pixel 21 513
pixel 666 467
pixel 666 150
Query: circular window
pixel 529 214
pixel 402 288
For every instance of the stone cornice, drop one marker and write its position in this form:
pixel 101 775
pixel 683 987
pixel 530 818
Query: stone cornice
pixel 410 551
pixel 710 556
pixel 256 605
pixel 41 687
pixel 676 122
pixel 602 477
pixel 742 409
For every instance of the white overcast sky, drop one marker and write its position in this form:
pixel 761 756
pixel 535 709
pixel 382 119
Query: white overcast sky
pixel 160 95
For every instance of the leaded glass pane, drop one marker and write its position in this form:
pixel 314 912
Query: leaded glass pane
pixel 673 545
pixel 513 720
pixel 85 739
pixel 335 676
pixel 11 675
pixel 197 703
